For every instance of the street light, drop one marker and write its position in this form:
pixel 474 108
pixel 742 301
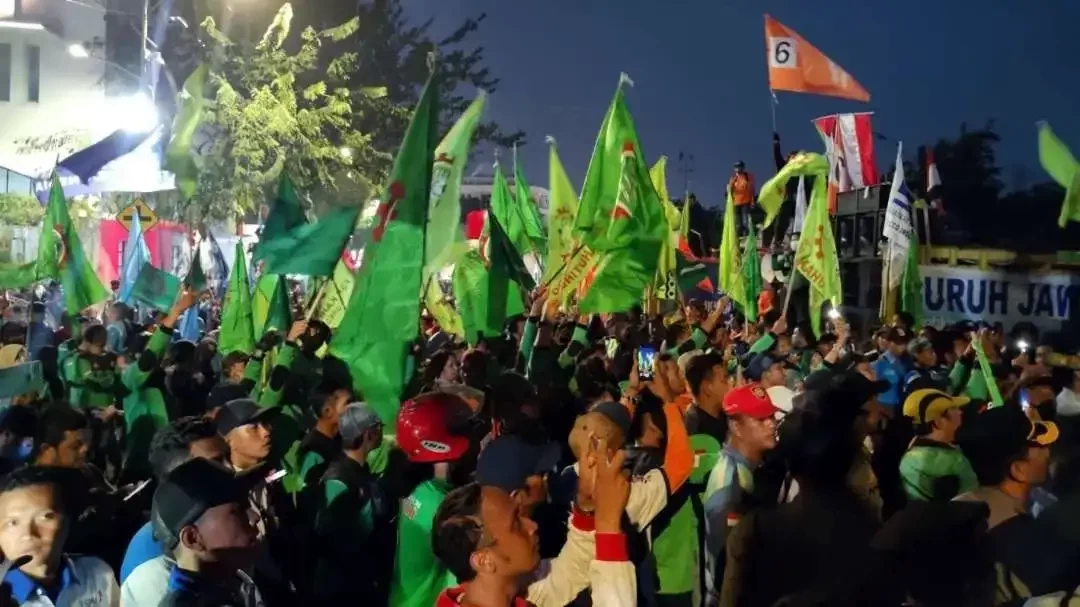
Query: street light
pixel 78 51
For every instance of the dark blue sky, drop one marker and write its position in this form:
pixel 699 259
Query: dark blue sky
pixel 701 82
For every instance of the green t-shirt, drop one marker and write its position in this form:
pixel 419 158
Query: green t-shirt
pixel 676 552
pixel 419 577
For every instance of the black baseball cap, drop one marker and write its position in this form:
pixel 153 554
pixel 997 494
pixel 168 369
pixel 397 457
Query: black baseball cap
pixel 223 393
pixel 1004 428
pixel 897 335
pixel 759 364
pixel 509 460
pixel 617 413
pixel 191 489
pixel 241 412
pixel 356 419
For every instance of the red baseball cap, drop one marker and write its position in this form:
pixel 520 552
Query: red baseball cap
pixel 750 400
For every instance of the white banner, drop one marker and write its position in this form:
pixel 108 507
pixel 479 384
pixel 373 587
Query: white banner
pixel 952 294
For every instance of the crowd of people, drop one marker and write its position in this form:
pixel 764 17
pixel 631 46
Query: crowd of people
pixel 560 463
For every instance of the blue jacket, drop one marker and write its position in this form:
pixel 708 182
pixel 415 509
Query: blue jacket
pixel 893 370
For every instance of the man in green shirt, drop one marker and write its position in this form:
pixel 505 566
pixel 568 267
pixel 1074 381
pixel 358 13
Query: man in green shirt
pixel 90 384
pixel 431 429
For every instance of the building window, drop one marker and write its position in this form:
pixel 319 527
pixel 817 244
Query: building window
pixel 5 72
pixel 33 73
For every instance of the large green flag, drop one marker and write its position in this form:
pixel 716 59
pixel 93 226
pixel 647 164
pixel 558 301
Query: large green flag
pixel 815 258
pixel 751 274
pixel 666 286
pixel 237 331
pixel 1060 164
pixel 530 214
pixel 506 210
pixel 16 276
pixel 270 306
pixel 178 155
pixel 286 214
pixel 489 286
pixel 731 280
pixel 60 256
pixel 155 288
pixel 562 206
pixel 383 318
pixel 911 283
pixel 772 193
pixel 620 215
pixel 444 214
pixel 312 249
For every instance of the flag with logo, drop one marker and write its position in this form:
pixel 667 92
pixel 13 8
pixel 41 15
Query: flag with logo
pixel 60 256
pixel 1059 163
pixel 796 65
pixel 444 214
pixel 695 274
pixel 562 206
pixel 771 196
pixel 155 288
pixel 666 284
pixel 815 257
pixel 382 320
pixel 898 226
pixel 619 216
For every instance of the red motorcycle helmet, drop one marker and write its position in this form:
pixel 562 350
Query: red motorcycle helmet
pixel 433 428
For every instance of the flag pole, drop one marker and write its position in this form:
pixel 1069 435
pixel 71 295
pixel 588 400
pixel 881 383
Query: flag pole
pixel 772 106
pixel 787 294
pixel 315 302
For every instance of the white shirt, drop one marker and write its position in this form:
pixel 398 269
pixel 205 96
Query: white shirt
pixel 147 584
pixel 1068 402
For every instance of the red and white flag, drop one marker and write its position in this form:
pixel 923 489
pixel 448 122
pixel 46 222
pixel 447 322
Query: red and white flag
pixel 849 144
pixel 933 181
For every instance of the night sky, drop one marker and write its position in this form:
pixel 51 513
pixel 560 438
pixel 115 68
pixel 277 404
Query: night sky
pixel 701 82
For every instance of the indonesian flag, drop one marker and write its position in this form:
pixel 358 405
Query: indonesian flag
pixel 849 145
pixel 933 181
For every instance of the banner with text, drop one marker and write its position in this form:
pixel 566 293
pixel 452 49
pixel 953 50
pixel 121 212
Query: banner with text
pixel 952 294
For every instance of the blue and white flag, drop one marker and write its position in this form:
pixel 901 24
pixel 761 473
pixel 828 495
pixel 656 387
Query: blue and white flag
pixel 898 222
pixel 189 325
pixel 217 271
pixel 136 255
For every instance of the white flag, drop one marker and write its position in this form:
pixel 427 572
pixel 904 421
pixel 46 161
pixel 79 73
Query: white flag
pixel 800 206
pixel 898 223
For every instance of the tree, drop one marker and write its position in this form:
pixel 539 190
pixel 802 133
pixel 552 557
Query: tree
pixel 272 109
pixel 20 210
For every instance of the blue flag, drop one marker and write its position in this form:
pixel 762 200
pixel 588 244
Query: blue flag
pixel 136 255
pixel 217 271
pixel 189 325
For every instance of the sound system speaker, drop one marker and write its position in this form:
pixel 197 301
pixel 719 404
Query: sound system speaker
pixel 863 200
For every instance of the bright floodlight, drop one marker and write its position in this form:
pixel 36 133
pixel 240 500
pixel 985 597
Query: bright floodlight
pixel 346 153
pixel 78 51
pixel 135 114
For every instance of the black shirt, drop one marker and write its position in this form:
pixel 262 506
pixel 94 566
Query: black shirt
pixel 700 421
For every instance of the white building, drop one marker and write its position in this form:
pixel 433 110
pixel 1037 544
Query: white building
pixel 47 93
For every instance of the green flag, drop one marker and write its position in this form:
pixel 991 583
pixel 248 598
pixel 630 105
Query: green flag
pixel 731 280
pixel 562 207
pixel 383 318
pixel 286 214
pixel 1060 164
pixel 196 277
pixel 666 283
pixel 489 289
pixel 444 214
pixel 815 258
pixel 987 373
pixel 237 331
pixel 16 276
pixel 312 249
pixel 693 271
pixel 270 305
pixel 911 283
pixel 805 164
pixel 60 256
pixel 530 214
pixel 338 291
pixel 155 288
pixel 178 155
pixel 505 209
pixel 751 274
pixel 620 215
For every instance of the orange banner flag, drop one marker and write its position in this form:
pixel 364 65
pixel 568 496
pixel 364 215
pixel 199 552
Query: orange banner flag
pixel 795 65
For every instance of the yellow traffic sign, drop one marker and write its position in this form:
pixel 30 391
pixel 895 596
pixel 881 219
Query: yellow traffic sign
pixel 147 218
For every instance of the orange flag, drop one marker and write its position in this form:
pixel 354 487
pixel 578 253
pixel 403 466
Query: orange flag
pixel 795 65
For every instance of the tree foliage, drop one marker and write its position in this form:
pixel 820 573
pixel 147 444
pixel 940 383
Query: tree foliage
pixel 20 210
pixel 275 109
